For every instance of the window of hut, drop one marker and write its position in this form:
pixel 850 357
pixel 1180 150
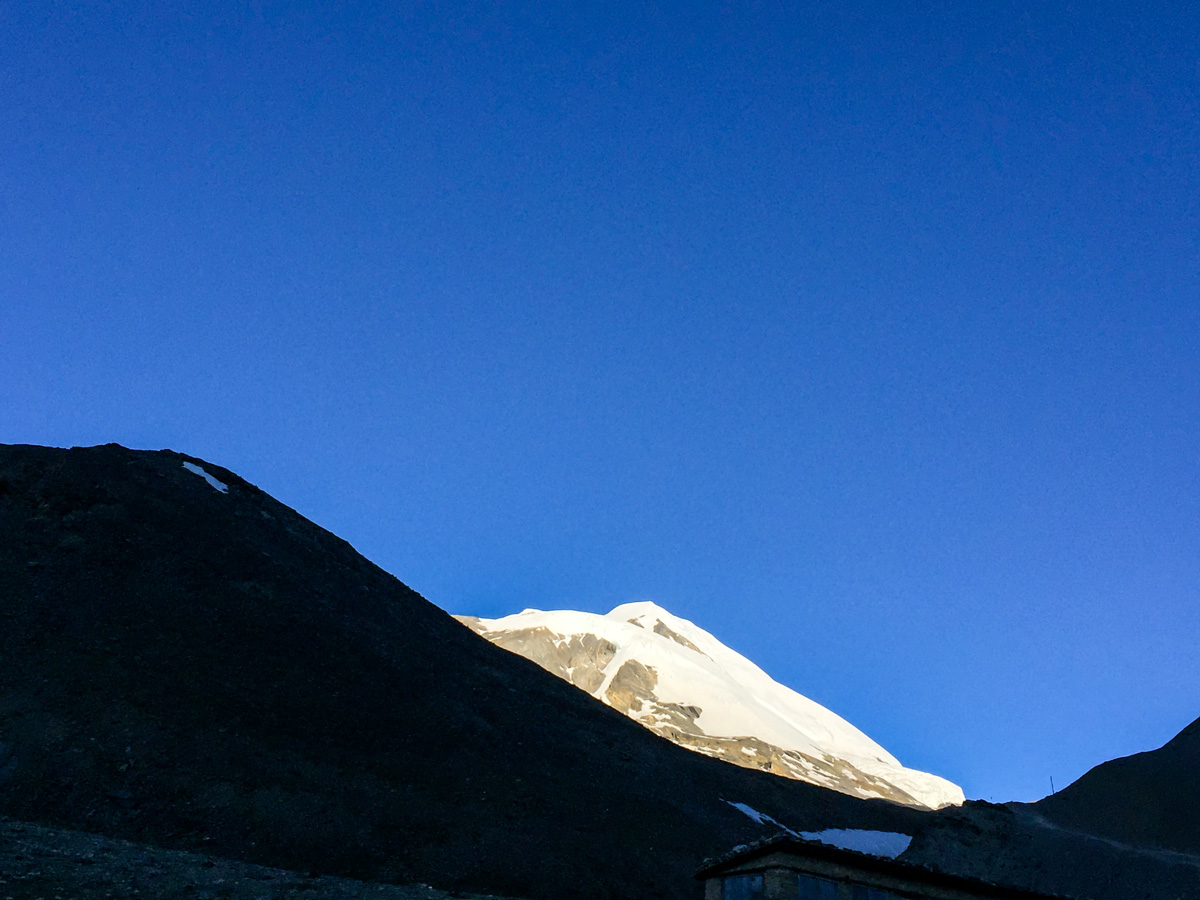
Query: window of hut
pixel 811 888
pixel 744 887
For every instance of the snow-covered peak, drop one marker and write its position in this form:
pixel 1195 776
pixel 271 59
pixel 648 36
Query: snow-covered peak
pixel 649 615
pixel 681 682
pixel 642 609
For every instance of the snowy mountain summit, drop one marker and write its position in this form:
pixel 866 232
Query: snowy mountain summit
pixel 685 685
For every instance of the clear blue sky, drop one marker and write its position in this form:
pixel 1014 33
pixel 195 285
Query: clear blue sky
pixel 863 336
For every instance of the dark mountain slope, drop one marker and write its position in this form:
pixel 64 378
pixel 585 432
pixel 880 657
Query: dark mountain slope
pixel 39 862
pixel 209 671
pixel 1150 799
pixel 206 669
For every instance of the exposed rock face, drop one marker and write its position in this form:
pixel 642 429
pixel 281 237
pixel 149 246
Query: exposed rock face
pixel 684 685
pixel 632 684
pixel 581 659
pixel 660 628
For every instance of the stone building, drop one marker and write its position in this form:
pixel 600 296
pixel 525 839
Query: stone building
pixel 787 867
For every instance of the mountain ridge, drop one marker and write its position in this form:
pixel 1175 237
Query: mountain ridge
pixel 205 670
pixel 1146 799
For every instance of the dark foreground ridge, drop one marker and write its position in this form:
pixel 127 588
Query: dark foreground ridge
pixel 1149 799
pixel 207 671
pixel 41 862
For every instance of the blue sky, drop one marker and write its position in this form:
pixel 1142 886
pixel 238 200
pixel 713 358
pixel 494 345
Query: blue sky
pixel 863 336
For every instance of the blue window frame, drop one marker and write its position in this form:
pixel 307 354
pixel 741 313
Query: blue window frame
pixel 743 887
pixel 811 888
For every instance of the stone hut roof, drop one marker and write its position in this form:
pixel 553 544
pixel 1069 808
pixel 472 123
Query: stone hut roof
pixel 787 843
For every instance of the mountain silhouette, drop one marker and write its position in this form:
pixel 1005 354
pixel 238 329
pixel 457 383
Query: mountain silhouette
pixel 1148 799
pixel 187 663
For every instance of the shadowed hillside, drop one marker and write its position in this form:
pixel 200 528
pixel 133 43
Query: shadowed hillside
pixel 1151 799
pixel 188 663
pixel 210 670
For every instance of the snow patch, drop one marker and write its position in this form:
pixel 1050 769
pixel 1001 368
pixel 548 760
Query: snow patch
pixel 760 818
pixel 192 467
pixel 888 844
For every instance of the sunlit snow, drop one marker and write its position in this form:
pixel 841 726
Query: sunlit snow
pixel 889 844
pixel 736 697
pixel 192 467
pixel 760 818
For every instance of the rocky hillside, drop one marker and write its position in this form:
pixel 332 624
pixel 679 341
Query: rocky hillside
pixel 187 663
pixel 685 685
pixel 38 863
pixel 1149 799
